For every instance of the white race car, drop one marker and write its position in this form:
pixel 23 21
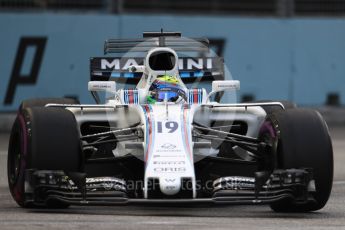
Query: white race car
pixel 163 142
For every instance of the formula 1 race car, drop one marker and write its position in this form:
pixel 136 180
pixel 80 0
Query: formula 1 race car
pixel 164 142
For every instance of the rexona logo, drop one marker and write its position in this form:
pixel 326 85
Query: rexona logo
pixel 168 146
pixel 183 63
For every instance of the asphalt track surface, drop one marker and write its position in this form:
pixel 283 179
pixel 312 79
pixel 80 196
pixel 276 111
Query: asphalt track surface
pixel 153 217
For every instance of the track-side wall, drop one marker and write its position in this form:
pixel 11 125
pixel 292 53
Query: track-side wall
pixel 47 54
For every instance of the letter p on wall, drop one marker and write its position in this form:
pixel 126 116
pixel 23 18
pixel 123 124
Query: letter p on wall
pixel 17 75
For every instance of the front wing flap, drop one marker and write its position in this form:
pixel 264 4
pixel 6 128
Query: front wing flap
pixel 44 186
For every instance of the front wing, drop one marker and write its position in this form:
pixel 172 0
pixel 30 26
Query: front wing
pixel 43 187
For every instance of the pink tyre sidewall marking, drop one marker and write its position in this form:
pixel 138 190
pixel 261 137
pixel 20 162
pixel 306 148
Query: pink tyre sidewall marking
pixel 267 127
pixel 18 189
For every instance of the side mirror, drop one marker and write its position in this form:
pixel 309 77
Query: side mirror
pixel 219 86
pixel 106 86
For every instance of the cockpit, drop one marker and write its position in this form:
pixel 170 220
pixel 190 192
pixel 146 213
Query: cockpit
pixel 164 84
pixel 166 88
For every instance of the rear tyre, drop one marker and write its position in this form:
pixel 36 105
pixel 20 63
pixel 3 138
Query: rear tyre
pixel 41 102
pixel 304 142
pixel 44 139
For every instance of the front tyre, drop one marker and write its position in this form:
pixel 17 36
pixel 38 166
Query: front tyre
pixel 42 139
pixel 304 142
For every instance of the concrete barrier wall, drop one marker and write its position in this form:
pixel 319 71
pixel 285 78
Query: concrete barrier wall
pixel 47 54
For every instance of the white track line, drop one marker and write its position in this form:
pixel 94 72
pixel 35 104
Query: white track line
pixel 338 182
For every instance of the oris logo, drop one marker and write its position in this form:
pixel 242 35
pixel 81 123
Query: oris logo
pixel 169 169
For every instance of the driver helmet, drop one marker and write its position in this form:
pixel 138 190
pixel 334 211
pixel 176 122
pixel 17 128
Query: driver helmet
pixel 166 87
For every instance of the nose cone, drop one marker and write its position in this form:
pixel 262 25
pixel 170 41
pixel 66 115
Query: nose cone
pixel 170 185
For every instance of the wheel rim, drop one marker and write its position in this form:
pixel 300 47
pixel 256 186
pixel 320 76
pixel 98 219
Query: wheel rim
pixel 268 135
pixel 16 164
pixel 15 157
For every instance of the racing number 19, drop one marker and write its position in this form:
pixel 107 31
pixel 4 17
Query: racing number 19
pixel 171 126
